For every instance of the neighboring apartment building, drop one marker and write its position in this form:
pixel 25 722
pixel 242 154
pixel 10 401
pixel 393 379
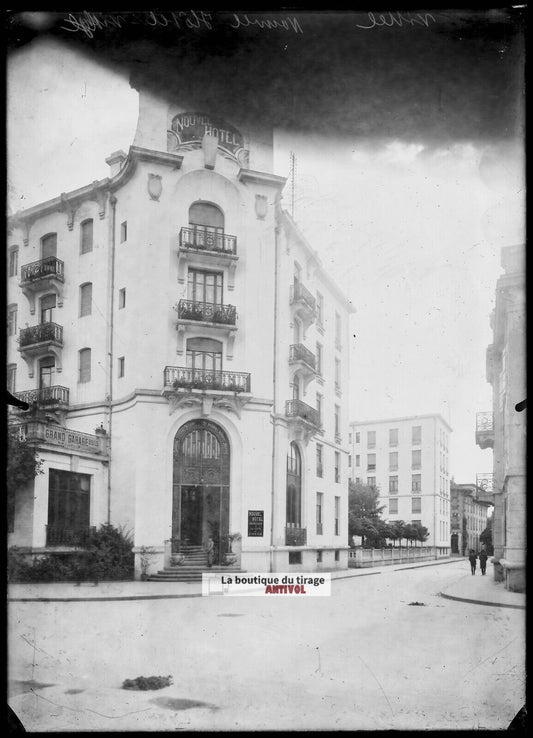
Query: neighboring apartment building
pixel 407 459
pixel 185 354
pixel 470 506
pixel 504 429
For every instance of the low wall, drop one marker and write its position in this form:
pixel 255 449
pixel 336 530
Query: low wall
pixel 360 558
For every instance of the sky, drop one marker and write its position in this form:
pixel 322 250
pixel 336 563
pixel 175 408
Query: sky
pixel 409 165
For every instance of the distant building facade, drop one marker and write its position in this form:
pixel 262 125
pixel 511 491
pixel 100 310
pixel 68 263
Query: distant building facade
pixel 505 428
pixel 407 459
pixel 470 506
pixel 185 354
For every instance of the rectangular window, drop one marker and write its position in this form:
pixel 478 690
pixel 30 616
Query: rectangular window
pixel 204 286
pixel 416 482
pixel 319 406
pixel 122 298
pixel 295 557
pixel 85 365
pixel 121 366
pixel 12 320
pixel 337 466
pixel 68 507
pixel 393 437
pixel 319 557
pixel 393 460
pixel 416 459
pixel 123 231
pixel 416 522
pixel 11 378
pixel 371 462
pixel 358 460
pixel 319 359
pixel 350 460
pixel 337 555
pixel 358 438
pixel 337 330
pixel 371 481
pixel 13 262
pixel 319 310
pixel 416 435
pixel 86 236
pixel 49 246
pixel 319 460
pixel 319 503
pixel 416 505
pixel 86 299
pixel 337 516
pixel 337 374
pixel 393 507
pixel 48 304
pixel 371 439
pixel 337 423
pixel 393 485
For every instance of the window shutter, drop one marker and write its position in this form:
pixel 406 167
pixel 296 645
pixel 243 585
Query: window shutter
pixel 85 365
pixel 86 297
pixel 49 246
pixel 86 236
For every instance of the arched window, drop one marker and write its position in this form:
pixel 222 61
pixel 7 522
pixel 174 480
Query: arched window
pixel 294 487
pixel 86 299
pixel 47 368
pixel 207 215
pixel 48 304
pixel 204 354
pixel 49 245
pixel 86 236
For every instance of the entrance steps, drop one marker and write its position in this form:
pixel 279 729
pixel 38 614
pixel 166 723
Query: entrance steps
pixel 192 568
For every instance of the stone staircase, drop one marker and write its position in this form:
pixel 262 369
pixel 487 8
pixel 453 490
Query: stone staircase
pixel 192 568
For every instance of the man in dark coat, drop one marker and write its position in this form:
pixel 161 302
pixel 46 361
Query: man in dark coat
pixel 472 558
pixel 483 562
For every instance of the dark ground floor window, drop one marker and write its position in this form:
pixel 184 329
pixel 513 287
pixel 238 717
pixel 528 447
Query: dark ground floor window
pixel 68 502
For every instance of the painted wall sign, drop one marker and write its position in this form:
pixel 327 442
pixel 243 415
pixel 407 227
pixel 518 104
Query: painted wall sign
pixel 59 436
pixel 190 128
pixel 255 523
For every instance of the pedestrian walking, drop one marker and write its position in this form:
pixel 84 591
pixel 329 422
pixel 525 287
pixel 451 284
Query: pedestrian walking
pixel 472 558
pixel 210 548
pixel 483 562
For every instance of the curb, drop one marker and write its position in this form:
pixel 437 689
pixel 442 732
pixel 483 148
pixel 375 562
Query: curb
pixel 104 599
pixel 481 602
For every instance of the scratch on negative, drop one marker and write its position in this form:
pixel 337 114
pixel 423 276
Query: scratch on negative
pixel 36 647
pixel 87 709
pixel 490 657
pixel 378 683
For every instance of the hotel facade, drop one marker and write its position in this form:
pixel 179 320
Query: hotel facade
pixel 407 460
pixel 184 353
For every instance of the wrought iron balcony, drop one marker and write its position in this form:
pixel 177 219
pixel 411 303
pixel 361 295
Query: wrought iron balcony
pixel 51 267
pixel 59 536
pixel 201 239
pixel 295 536
pixel 300 410
pixel 485 430
pixel 303 302
pixel 207 312
pixel 178 377
pixel 55 397
pixel 43 333
pixel 299 353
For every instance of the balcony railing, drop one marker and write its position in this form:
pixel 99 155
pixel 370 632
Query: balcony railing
pixel 485 430
pixel 59 536
pixel 485 482
pixel 46 396
pixel 49 267
pixel 199 238
pixel 298 352
pixel 41 333
pixel 207 311
pixel 183 377
pixel 299 293
pixel 299 409
pixel 295 536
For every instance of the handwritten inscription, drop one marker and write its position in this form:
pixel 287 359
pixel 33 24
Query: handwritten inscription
pixel 397 19
pixel 186 20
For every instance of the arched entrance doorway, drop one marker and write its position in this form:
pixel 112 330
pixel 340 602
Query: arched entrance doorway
pixel 201 479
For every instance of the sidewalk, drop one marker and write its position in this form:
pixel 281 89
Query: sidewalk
pixel 477 589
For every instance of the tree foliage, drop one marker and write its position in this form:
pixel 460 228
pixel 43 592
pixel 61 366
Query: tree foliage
pixel 23 463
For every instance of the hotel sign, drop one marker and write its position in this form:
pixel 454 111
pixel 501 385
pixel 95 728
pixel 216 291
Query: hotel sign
pixel 255 523
pixel 190 128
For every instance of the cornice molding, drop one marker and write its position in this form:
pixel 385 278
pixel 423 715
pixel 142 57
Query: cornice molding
pixel 250 176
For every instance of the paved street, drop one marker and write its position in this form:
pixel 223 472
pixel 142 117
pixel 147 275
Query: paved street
pixel 363 659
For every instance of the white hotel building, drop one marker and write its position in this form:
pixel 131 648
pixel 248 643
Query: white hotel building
pixel 164 324
pixel 407 459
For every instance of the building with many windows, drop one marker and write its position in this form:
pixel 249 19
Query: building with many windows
pixel 407 459
pixel 470 506
pixel 184 352
pixel 504 428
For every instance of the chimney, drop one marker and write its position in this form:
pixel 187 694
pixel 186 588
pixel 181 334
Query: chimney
pixel 115 161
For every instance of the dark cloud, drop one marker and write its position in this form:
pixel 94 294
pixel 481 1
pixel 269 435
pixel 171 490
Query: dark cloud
pixel 459 78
